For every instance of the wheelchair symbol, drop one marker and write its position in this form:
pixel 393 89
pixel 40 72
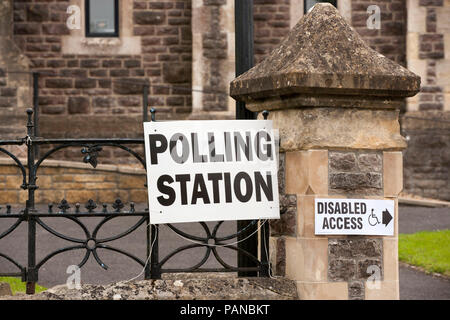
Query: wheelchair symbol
pixel 373 220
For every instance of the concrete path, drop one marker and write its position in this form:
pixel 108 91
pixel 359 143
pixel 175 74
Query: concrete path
pixel 416 285
pixel 414 219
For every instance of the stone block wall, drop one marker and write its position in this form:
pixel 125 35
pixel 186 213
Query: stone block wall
pixel 349 260
pixel 356 173
pixel 75 182
pixel 427 158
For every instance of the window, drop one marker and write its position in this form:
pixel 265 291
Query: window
pixel 102 18
pixel 310 3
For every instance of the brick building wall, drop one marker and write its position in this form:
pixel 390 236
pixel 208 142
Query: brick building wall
pixel 86 84
pixel 15 90
pixel 413 34
pixel 214 49
pixel 426 51
pixel 95 89
pixel 89 90
pixel 427 120
pixel 390 39
pixel 8 106
pixel 271 24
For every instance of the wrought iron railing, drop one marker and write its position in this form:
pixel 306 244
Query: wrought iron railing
pixel 153 265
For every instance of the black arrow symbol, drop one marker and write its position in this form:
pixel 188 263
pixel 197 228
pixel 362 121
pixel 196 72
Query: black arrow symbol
pixel 386 217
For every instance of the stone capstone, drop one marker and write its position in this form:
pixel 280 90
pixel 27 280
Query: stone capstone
pixel 323 58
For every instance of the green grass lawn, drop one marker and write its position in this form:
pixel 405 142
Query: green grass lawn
pixel 429 250
pixel 18 286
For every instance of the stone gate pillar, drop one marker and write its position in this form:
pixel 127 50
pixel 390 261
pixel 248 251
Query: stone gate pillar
pixel 336 103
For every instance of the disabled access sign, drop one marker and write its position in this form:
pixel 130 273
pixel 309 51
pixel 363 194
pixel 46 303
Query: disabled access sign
pixel 354 217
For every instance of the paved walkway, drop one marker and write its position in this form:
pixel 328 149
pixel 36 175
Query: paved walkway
pixel 416 285
pixel 413 284
pixel 414 219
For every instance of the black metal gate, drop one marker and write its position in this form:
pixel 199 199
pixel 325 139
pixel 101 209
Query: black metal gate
pixel 153 265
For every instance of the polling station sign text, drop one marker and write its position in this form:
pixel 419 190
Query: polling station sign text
pixel 354 217
pixel 211 170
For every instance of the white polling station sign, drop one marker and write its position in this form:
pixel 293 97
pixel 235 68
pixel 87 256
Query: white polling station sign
pixel 211 170
pixel 354 217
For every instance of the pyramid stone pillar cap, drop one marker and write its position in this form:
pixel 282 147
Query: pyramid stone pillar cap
pixel 324 62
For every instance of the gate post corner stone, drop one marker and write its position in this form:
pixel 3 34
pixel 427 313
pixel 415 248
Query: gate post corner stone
pixel 336 104
pixel 5 289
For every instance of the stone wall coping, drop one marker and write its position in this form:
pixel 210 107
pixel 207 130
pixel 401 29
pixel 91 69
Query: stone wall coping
pixel 179 287
pixel 126 169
